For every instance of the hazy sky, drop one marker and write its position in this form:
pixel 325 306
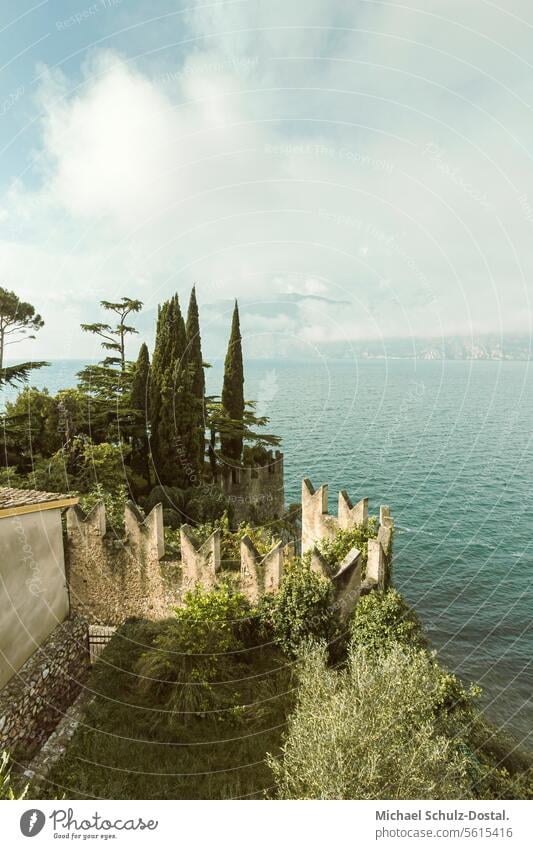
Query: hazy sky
pixel 350 169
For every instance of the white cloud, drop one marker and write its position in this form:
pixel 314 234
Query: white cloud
pixel 368 153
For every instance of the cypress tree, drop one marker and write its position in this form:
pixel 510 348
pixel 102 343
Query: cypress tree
pixel 166 391
pixel 156 380
pixel 139 386
pixel 233 392
pixel 138 401
pixel 196 384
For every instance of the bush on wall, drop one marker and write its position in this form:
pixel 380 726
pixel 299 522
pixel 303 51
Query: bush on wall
pixel 303 607
pixel 335 550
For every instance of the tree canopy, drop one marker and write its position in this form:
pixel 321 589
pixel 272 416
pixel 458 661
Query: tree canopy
pixel 18 321
pixel 114 338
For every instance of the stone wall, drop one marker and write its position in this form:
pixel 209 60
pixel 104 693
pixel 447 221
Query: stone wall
pixel 346 579
pixel 40 692
pixel 257 493
pixel 111 579
pixel 199 563
pixel 259 573
pixel 317 523
pixel 316 520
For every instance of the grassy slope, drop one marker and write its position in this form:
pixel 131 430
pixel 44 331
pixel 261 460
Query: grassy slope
pixel 128 750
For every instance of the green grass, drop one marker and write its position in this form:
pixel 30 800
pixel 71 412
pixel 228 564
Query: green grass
pixel 128 749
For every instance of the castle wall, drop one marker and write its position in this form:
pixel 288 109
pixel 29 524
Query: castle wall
pixel 199 564
pixel 318 524
pixel 349 514
pixel 255 493
pixel 347 583
pixel 346 580
pixel 375 566
pixel 316 520
pixel 111 579
pixel 37 696
pixel 261 573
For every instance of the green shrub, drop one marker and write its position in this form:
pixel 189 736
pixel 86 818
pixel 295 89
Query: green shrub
pixel 335 550
pixel 505 769
pixel 194 652
pixel 7 791
pixel 383 620
pixel 255 455
pixel 10 477
pixel 207 505
pixel 195 506
pixel 98 465
pixel 114 503
pixel 223 607
pixel 230 542
pixel 137 484
pixel 171 519
pixel 170 497
pixel 303 607
pixel 51 474
pixel 172 541
pixel 370 731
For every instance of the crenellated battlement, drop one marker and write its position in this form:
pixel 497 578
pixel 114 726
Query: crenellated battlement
pixel 255 492
pixel 111 579
pixel 261 573
pixel 317 522
pixel 147 531
pixel 346 579
pixel 88 525
pixel 200 564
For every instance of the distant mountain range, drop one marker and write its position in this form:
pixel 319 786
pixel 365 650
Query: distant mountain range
pixel 489 347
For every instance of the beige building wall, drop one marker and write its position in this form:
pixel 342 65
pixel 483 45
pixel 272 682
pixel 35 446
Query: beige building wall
pixel 33 587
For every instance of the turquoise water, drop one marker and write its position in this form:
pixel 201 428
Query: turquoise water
pixel 448 446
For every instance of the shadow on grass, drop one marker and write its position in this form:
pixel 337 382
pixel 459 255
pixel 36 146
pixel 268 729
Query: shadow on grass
pixel 130 746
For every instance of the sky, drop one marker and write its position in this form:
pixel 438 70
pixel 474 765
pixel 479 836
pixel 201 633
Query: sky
pixel 348 169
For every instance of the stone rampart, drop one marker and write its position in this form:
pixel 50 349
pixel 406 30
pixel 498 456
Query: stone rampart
pixel 317 523
pixel 256 493
pixel 112 579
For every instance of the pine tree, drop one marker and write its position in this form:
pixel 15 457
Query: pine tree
pixel 140 454
pixel 18 321
pixel 196 385
pixel 233 392
pixel 108 383
pixel 114 338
